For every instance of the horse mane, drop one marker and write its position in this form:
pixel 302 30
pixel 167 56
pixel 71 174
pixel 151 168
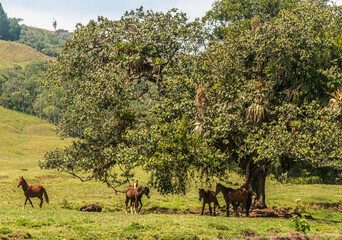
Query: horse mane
pixel 226 188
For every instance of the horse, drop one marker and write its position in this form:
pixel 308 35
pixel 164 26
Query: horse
pixel 246 185
pixel 91 208
pixel 208 197
pixel 135 195
pixel 235 197
pixel 32 191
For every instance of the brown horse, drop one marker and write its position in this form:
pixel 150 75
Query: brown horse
pixel 91 208
pixel 235 197
pixel 33 191
pixel 208 197
pixel 135 195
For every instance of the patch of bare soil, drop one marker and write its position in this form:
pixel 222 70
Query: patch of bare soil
pixel 255 213
pixel 336 205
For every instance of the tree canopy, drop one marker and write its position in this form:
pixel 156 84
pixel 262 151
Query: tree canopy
pixel 143 91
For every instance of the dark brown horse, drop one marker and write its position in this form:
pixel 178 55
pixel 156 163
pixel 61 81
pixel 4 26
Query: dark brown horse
pixel 91 208
pixel 235 197
pixel 135 195
pixel 33 191
pixel 208 197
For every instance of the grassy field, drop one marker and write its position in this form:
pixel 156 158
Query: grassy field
pixel 24 140
pixel 16 53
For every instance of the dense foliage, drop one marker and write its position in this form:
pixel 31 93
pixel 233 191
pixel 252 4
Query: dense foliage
pixel 106 70
pixel 22 89
pixel 143 91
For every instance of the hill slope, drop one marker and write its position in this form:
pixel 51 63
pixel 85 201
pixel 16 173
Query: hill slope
pixel 16 53
pixel 24 139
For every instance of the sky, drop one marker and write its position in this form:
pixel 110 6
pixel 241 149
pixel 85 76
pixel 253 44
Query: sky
pixel 67 13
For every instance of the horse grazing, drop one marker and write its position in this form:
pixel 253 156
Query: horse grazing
pixel 235 197
pixel 208 197
pixel 135 195
pixel 91 208
pixel 32 191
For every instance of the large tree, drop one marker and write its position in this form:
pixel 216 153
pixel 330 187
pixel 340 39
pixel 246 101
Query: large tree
pixel 270 89
pixel 111 72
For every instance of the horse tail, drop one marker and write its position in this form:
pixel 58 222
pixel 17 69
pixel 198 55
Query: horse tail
pixel 46 196
pixel 249 202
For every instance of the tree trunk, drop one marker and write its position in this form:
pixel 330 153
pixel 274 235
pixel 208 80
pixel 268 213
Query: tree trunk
pixel 257 179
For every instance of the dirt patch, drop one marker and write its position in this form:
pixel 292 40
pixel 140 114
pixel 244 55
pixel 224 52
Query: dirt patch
pixel 336 205
pixel 293 236
pixel 3 177
pixel 249 234
pixel 44 177
pixel 17 235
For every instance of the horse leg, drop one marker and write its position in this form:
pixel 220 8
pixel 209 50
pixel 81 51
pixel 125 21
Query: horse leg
pixel 228 209
pixel 236 205
pixel 41 202
pixel 203 208
pixel 126 202
pixel 30 202
pixel 136 206
pixel 140 204
pixel 211 212
pixel 214 209
pixel 25 203
pixel 131 206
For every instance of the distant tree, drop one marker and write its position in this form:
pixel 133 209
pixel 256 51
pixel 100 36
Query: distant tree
pixel 4 25
pixel 14 29
pixel 54 24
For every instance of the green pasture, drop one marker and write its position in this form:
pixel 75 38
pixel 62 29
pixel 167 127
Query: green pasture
pixel 14 53
pixel 24 140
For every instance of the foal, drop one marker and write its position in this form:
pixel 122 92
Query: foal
pixel 208 197
pixel 135 195
pixel 32 191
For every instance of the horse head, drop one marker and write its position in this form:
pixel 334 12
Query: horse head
pixel 135 183
pixel 246 185
pixel 218 188
pixel 147 192
pixel 20 181
pixel 201 194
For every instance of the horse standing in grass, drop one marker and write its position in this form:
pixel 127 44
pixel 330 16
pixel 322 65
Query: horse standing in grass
pixel 135 195
pixel 208 197
pixel 235 197
pixel 32 191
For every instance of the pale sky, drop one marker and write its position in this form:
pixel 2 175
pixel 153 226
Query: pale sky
pixel 40 13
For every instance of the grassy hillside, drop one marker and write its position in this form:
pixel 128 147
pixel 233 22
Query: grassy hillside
pixel 16 53
pixel 23 141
